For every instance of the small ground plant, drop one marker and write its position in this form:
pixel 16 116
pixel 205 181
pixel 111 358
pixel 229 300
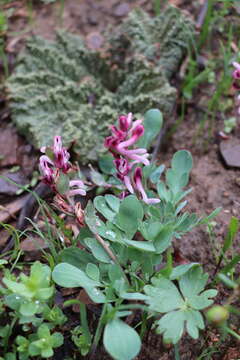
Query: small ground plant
pixel 121 257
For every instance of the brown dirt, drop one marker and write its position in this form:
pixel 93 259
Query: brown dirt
pixel 213 183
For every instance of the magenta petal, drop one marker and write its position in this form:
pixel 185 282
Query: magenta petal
pixel 152 201
pixel 78 183
pixel 236 65
pixel 76 192
pixel 128 184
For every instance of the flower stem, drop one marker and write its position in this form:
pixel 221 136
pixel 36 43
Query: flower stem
pixel 98 333
pixel 233 333
pixel 111 254
pixel 176 352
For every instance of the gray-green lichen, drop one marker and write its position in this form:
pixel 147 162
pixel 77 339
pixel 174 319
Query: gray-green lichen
pixel 65 88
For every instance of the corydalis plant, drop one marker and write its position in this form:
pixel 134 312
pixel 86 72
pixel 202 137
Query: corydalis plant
pixel 126 158
pixel 54 164
pixel 57 172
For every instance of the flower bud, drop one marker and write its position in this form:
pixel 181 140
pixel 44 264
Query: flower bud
pixel 217 315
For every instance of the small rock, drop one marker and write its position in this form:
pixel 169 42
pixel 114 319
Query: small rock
pixel 121 9
pixel 94 41
pixel 230 151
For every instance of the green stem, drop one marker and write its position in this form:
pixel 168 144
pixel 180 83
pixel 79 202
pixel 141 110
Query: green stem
pixel 84 322
pixel 233 333
pixel 144 324
pixel 98 332
pixel 110 254
pixel 13 322
pixel 176 352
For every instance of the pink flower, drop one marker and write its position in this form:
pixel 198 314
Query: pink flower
pixel 61 155
pixel 46 170
pixel 125 122
pixel 59 163
pixel 139 187
pixel 236 72
pixel 126 136
pixel 78 188
pixel 123 169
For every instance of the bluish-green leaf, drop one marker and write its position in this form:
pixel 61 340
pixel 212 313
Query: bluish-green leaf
pixel 76 257
pixel 182 162
pixel 152 124
pixel 121 341
pixel 181 270
pixel 171 326
pixel 106 164
pixel 193 282
pixel 156 174
pixel 92 271
pixel 97 250
pixel 62 183
pixel 163 295
pixel 163 239
pixel 101 205
pixel 141 245
pixel 69 276
pixel 130 213
pixel 232 231
pixel 113 202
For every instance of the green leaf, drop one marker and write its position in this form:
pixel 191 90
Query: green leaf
pixel 163 193
pixel 141 245
pixel 130 213
pixel 202 301
pixel 163 295
pixel 92 271
pixel 208 218
pixel 13 301
pixel 101 205
pixel 121 341
pixel 182 162
pixel 228 282
pixel 29 309
pixel 106 164
pixel 193 282
pixel 76 257
pixel 133 296
pixel 96 295
pixel 69 276
pixel 194 322
pixel 156 174
pixel 163 239
pixel 227 268
pixel 113 202
pixel 114 272
pixel 62 183
pixel 181 270
pixel 97 250
pixel 97 178
pixel 57 339
pixel 171 326
pixel 152 125
pixel 232 232
pixel 91 219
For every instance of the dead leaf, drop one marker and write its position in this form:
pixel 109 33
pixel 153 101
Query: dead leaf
pixel 10 210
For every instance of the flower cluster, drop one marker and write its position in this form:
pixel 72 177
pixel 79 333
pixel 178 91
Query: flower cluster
pixel 56 161
pixel 119 144
pixel 236 83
